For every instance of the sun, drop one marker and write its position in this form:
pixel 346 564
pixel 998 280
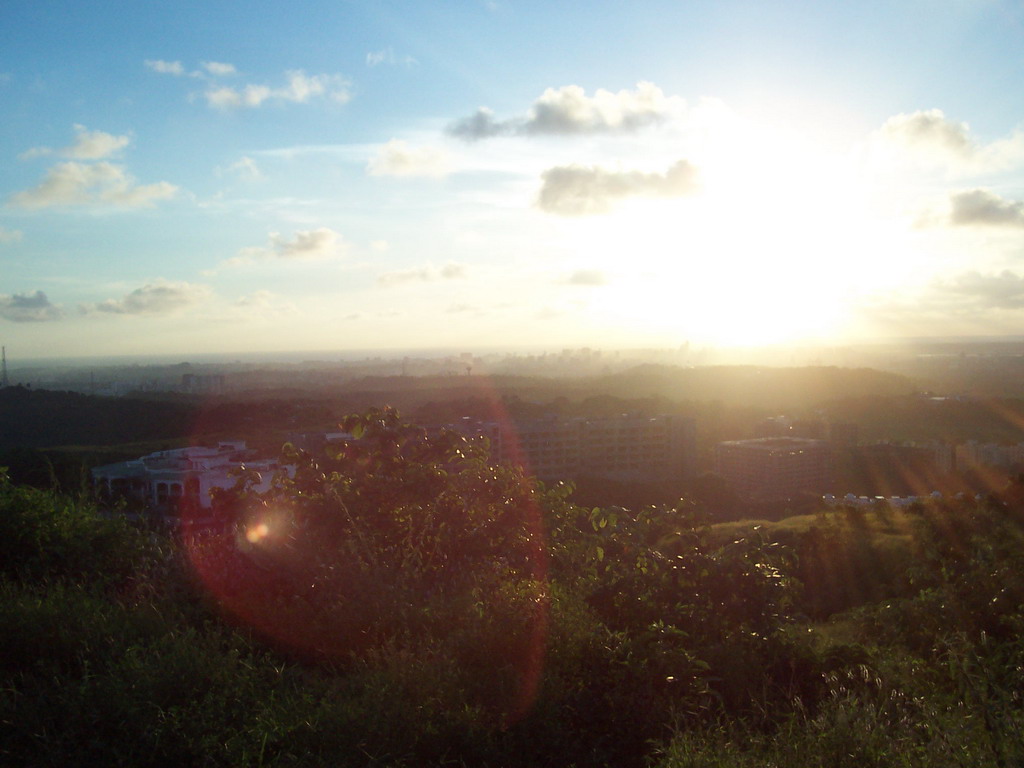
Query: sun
pixel 772 249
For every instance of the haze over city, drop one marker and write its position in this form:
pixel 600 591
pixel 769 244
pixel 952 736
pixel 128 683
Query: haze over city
pixel 185 178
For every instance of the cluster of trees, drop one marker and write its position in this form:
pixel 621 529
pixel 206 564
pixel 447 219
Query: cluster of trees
pixel 403 602
pixel 35 418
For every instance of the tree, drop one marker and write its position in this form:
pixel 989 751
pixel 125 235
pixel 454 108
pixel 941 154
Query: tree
pixel 396 536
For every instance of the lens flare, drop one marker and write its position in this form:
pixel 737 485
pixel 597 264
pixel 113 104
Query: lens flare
pixel 254 534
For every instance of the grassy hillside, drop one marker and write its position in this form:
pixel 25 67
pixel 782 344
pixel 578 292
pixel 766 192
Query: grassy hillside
pixel 421 608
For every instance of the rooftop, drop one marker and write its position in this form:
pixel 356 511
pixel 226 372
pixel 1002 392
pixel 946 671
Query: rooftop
pixel 776 443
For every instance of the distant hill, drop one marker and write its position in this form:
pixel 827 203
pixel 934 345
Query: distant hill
pixel 755 386
pixel 42 418
pixel 751 386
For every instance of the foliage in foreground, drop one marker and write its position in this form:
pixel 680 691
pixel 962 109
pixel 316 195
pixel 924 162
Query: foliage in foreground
pixel 404 603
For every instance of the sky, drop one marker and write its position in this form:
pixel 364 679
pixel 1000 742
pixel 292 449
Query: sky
pixel 186 178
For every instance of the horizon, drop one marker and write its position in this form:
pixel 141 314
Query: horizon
pixel 720 355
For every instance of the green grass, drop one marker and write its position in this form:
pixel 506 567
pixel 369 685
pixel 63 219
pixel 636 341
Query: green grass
pixel 899 645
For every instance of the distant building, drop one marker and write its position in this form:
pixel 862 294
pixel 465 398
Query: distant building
pixel 843 434
pixel 943 454
pixel 975 454
pixel 188 475
pixel 317 443
pixel 785 426
pixel 202 384
pixel 774 467
pixel 626 448
pixel 897 502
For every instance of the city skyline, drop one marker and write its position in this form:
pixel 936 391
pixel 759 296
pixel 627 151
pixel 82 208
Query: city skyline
pixel 184 178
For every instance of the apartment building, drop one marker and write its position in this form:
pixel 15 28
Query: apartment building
pixel 626 448
pixel 775 467
pixel 973 454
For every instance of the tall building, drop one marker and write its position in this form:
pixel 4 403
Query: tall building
pixel 627 448
pixel 775 467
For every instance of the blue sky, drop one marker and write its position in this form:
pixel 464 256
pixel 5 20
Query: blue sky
pixel 213 177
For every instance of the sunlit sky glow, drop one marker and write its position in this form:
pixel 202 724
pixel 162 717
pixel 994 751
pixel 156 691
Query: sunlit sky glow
pixel 211 177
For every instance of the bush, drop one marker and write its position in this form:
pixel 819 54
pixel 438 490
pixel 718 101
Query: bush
pixel 44 534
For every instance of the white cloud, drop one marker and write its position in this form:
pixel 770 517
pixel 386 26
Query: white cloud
pixel 452 271
pixel 219 68
pixel 226 97
pixel 245 169
pixel 265 304
pixel 574 190
pixel 94 145
pixel 482 125
pixel 34 152
pixel 928 128
pixel 928 137
pixel 28 308
pixel 90 183
pixel 387 56
pixel 165 67
pixel 307 245
pixel 300 88
pixel 380 245
pixel 587 277
pixel 427 274
pixel 74 183
pixel 158 298
pixel 320 243
pixel 10 235
pixel 968 303
pixel 459 309
pixel 568 110
pixel 397 158
pixel 399 276
pixel 256 300
pixel 980 207
pixel 979 292
pixel 88 145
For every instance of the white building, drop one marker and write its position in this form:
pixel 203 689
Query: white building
pixel 183 474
